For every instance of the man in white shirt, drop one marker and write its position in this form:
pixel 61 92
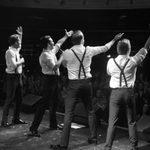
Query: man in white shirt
pixel 78 61
pixel 47 62
pixel 13 78
pixel 122 71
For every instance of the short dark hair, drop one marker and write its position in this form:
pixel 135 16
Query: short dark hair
pixel 77 37
pixel 44 40
pixel 13 39
pixel 123 47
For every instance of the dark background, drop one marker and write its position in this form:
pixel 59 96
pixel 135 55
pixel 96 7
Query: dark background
pixel 99 27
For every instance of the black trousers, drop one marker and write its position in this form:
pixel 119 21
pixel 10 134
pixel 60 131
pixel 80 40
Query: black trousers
pixel 13 93
pixel 122 98
pixel 78 90
pixel 49 99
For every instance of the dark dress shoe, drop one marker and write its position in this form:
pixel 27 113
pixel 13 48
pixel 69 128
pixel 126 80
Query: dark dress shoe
pixel 58 147
pixel 92 140
pixel 18 121
pixel 34 133
pixel 5 124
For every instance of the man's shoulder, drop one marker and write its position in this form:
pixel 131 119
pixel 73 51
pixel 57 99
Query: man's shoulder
pixel 111 59
pixel 10 51
pixel 45 53
pixel 67 51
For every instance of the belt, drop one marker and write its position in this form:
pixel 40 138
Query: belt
pixel 51 75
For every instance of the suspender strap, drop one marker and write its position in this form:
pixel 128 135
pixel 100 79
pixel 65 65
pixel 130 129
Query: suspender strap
pixel 122 72
pixel 81 63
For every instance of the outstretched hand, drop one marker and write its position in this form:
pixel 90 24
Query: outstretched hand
pixel 19 30
pixel 68 33
pixel 118 36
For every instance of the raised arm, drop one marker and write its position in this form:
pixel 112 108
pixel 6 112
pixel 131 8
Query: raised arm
pixel 63 39
pixel 147 44
pixel 116 38
pixel 141 54
pixel 20 33
pixel 102 49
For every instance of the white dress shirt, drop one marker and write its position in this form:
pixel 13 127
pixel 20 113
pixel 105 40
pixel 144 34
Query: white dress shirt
pixel 129 71
pixel 12 56
pixel 48 60
pixel 73 63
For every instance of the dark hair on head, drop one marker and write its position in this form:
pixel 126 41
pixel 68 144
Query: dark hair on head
pixel 44 40
pixel 13 39
pixel 77 37
pixel 123 47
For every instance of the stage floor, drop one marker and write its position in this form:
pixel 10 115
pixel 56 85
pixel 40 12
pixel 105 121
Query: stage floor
pixel 15 137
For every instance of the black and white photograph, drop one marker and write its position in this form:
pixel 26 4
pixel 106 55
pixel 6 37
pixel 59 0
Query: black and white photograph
pixel 74 75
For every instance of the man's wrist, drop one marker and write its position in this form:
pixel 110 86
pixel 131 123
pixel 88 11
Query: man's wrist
pixel 66 36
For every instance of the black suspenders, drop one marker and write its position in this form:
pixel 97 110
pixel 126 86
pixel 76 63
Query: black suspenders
pixel 122 72
pixel 81 63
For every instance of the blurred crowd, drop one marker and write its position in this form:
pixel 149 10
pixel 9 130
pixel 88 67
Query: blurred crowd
pixel 32 84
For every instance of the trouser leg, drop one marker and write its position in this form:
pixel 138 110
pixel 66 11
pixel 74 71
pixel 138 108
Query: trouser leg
pixel 38 116
pixel 18 102
pixel 131 117
pixel 113 118
pixel 10 94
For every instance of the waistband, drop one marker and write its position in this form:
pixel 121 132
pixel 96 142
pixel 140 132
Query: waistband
pixel 122 88
pixel 50 75
pixel 13 74
pixel 80 80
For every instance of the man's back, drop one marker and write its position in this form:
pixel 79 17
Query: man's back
pixel 129 70
pixel 73 63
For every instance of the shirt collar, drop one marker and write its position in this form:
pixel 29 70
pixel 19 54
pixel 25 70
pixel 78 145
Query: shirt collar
pixel 122 56
pixel 76 46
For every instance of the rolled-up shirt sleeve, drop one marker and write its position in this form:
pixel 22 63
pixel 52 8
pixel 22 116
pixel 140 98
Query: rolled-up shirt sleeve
pixel 108 66
pixel 56 48
pixel 140 56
